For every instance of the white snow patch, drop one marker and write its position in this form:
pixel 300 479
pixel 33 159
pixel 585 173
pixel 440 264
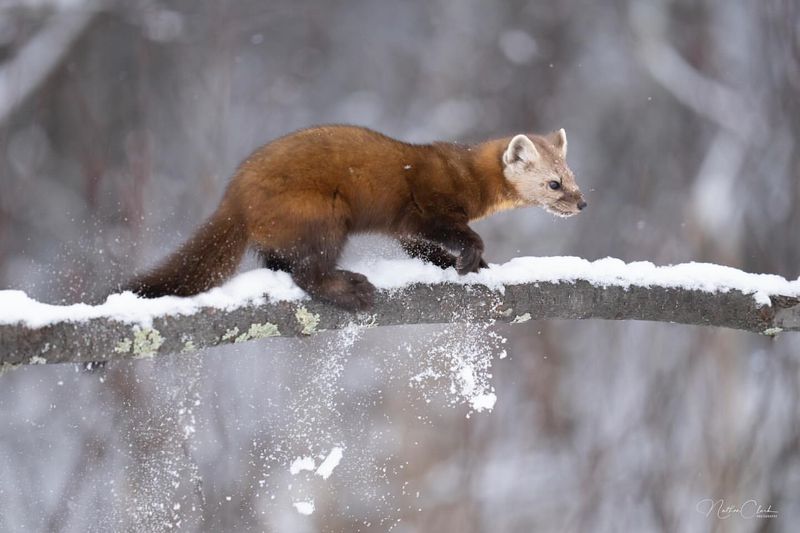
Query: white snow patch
pixel 305 508
pixel 460 358
pixel 331 461
pixel 707 277
pixel 256 286
pixel 466 376
pixel 244 289
pixel 300 464
pixel 483 402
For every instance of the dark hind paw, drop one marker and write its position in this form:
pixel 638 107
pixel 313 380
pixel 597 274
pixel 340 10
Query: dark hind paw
pixel 351 291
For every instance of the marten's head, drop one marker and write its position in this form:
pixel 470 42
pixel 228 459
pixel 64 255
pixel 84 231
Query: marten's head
pixel 536 167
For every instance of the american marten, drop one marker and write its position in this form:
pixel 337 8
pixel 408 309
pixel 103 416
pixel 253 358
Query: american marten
pixel 296 200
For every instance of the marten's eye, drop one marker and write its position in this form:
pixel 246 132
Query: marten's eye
pixel 555 185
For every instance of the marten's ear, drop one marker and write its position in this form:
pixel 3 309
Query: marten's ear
pixel 559 140
pixel 520 148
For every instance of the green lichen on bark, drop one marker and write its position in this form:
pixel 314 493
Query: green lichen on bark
pixel 259 331
pixel 146 342
pixel 308 321
pixel 519 319
pixel 123 346
pixel 189 347
pixel 231 333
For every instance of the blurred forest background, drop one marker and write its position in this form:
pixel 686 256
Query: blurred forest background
pixel 121 122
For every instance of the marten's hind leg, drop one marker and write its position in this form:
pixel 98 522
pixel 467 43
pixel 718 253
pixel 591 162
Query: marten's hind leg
pixel 304 236
pixel 314 270
pixel 274 261
pixel 312 264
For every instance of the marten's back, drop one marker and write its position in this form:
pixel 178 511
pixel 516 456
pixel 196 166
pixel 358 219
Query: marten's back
pixel 369 173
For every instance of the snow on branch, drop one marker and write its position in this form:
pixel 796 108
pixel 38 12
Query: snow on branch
pixel 263 303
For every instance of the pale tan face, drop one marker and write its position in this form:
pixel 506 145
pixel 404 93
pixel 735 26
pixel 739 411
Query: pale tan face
pixel 537 168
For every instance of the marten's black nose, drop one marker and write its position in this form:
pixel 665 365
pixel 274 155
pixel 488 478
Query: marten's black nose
pixel 582 204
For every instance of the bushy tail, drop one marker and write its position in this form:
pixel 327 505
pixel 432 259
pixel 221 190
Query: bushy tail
pixel 204 261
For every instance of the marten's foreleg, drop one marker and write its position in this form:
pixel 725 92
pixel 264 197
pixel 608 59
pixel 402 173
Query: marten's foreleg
pixel 428 251
pixel 453 234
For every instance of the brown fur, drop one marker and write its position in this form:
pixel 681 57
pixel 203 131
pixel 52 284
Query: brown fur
pixel 296 200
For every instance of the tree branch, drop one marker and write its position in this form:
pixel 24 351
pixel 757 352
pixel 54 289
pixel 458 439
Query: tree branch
pixel 107 339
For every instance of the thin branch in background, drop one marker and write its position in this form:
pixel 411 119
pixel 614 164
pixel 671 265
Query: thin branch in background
pixel 42 53
pixel 705 96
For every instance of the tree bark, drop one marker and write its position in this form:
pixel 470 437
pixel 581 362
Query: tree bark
pixel 104 339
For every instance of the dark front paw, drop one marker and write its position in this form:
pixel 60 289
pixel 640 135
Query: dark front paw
pixel 470 260
pixel 442 258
